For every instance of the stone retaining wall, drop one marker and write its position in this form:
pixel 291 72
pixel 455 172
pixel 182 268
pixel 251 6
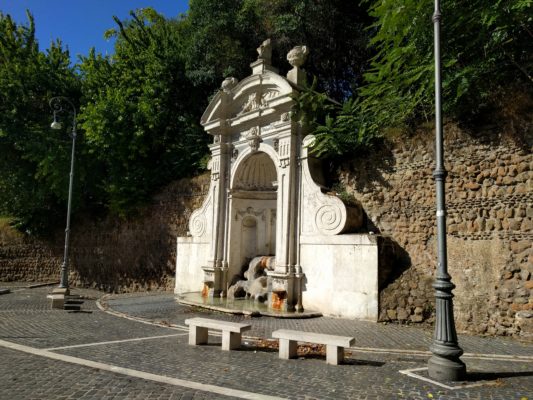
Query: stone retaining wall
pixel 489 200
pixel 25 259
pixel 112 254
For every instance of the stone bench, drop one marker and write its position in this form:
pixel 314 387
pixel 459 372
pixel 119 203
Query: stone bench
pixel 334 344
pixel 231 331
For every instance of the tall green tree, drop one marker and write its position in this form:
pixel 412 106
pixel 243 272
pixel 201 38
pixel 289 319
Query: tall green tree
pixel 141 106
pixel 35 159
pixel 140 113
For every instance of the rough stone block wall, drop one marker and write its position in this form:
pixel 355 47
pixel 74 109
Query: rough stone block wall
pixel 113 254
pixel 25 259
pixel 489 197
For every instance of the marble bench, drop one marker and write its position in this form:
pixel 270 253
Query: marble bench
pixel 334 344
pixel 231 331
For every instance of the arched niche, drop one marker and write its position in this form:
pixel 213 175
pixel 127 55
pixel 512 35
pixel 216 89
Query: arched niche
pixel 256 172
pixel 252 210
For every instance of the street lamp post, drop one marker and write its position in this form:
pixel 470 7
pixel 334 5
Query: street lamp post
pixel 56 104
pixel 445 363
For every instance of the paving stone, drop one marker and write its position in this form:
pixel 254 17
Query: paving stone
pixel 24 376
pixel 163 307
pixel 26 319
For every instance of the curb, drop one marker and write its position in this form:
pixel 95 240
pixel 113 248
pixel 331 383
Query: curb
pixel 102 306
pixel 38 285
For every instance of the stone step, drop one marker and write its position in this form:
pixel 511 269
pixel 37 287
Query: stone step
pixel 72 307
pixel 73 301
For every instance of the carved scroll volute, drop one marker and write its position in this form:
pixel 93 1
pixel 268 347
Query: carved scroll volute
pixel 330 216
pixel 197 223
pixel 327 214
pixel 198 220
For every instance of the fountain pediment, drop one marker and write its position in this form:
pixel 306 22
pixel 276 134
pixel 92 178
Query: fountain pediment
pixel 254 97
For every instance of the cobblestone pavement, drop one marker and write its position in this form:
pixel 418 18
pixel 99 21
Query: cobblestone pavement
pixel 54 354
pixel 25 376
pixel 162 307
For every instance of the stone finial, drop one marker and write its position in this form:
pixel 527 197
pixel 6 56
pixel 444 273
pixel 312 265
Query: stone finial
pixel 263 62
pixel 228 84
pixel 265 51
pixel 297 56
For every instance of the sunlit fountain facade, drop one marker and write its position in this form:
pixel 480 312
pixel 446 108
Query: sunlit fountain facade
pixel 267 230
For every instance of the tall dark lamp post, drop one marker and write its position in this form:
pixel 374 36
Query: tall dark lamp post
pixel 445 363
pixel 57 104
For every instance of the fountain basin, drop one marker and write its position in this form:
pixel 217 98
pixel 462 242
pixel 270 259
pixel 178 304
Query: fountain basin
pixel 241 306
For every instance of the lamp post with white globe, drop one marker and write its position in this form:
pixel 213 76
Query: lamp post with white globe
pixel 58 104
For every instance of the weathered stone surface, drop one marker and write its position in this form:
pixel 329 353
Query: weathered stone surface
pixel 488 224
pixel 238 290
pixel 255 283
pixel 416 318
pixel 402 314
pixel 112 254
pixel 266 197
pixel 397 194
pixel 518 247
pixel 258 289
pixel 472 186
pixel 524 322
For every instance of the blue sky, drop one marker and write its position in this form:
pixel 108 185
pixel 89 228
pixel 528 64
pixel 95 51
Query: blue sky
pixel 80 24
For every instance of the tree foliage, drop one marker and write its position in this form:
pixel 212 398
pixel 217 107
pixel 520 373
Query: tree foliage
pixel 224 35
pixel 35 159
pixel 140 110
pixel 486 47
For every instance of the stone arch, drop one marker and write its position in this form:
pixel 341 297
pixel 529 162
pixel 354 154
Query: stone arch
pixel 249 164
pixel 256 172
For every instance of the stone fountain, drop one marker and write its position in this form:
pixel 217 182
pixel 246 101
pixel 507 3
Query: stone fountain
pixel 268 220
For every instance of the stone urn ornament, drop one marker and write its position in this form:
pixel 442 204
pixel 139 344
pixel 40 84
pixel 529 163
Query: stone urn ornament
pixel 228 84
pixel 296 58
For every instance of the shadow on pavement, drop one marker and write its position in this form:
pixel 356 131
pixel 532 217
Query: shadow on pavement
pixel 491 376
